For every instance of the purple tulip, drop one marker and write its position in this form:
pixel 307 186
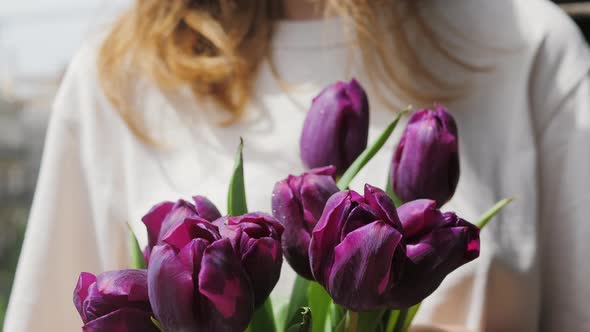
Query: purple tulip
pixel 426 162
pixel 357 251
pixel 256 239
pixel 436 244
pixel 298 202
pixel 164 216
pixel 336 128
pixel 114 301
pixel 196 281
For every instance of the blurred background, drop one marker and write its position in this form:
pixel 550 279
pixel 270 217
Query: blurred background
pixel 37 39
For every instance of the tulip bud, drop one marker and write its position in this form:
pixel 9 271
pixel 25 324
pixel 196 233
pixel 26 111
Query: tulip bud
pixel 298 202
pixel 426 162
pixel 162 217
pixel 436 244
pixel 196 281
pixel 256 239
pixel 357 251
pixel 336 128
pixel 115 301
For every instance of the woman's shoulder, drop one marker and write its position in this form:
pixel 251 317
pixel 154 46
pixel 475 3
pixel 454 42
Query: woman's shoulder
pixel 80 94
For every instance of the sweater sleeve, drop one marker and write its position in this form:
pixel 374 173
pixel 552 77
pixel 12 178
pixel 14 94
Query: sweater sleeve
pixel 59 241
pixel 564 230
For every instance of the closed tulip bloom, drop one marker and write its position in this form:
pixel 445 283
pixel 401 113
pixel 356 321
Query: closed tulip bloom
pixel 436 243
pixel 114 301
pixel 357 250
pixel 164 216
pixel 426 162
pixel 196 281
pixel 298 202
pixel 256 239
pixel 336 127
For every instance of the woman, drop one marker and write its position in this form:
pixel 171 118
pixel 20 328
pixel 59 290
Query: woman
pixel 154 110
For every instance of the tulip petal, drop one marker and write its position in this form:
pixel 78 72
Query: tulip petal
pixel 153 221
pixel 362 274
pixel 122 320
pixel 432 259
pixel 418 217
pixel 81 292
pixel 195 227
pixel 171 288
pixel 315 191
pixel 326 234
pixel 180 211
pixel 225 289
pixel 356 123
pixel 129 283
pixel 296 236
pixel 382 205
pixel 262 263
pixel 206 209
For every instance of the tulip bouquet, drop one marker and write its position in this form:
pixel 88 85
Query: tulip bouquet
pixel 364 261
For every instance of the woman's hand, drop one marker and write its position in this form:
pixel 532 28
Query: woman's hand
pixel 440 328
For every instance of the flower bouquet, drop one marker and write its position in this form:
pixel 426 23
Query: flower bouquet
pixel 364 260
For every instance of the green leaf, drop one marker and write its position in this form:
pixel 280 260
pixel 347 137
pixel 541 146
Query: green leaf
pixel 137 258
pixel 236 197
pixel 488 215
pixel 336 315
pixel 368 321
pixel 412 311
pixel 394 315
pixel 157 324
pixel 263 319
pixel 389 191
pixel 369 153
pixel 298 299
pixel 319 302
pixel 305 321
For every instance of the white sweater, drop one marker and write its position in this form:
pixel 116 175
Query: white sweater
pixel 524 131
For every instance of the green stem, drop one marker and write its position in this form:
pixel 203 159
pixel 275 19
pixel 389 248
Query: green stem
pixel 158 326
pixel 369 153
pixel 263 319
pixel 353 318
pixel 488 215
pixel 298 300
pixel 401 321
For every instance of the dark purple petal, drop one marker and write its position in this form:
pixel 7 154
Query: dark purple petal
pixel 295 240
pixel 419 217
pixel 171 286
pixel 115 290
pixel 206 209
pixel 315 191
pixel 366 265
pixel 262 263
pixel 129 283
pixel 256 239
pixel 226 292
pixel 382 205
pixel 433 257
pixel 180 211
pixel 326 234
pixel 153 221
pixel 81 292
pixel 336 127
pixel 426 162
pixel 183 233
pixel 122 320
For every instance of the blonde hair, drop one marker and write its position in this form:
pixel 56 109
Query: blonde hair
pixel 215 47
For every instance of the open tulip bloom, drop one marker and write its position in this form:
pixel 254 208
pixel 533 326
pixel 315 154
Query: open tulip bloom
pixel 358 257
